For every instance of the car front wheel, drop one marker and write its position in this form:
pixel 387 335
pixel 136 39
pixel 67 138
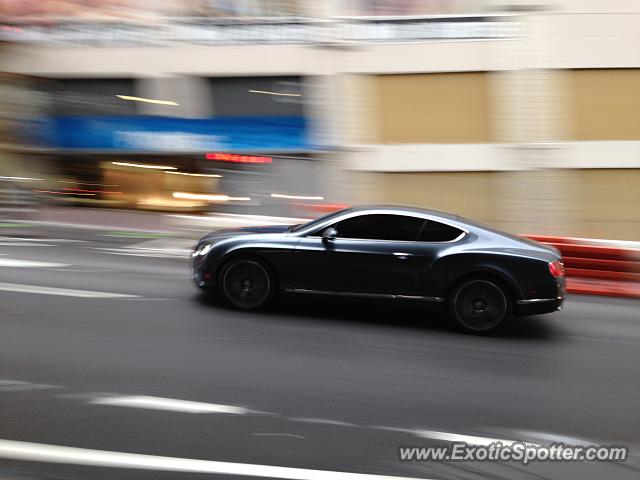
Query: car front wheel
pixel 247 283
pixel 479 305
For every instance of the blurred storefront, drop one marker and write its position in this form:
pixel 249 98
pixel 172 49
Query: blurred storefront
pixel 21 170
pixel 145 9
pixel 153 144
pixel 415 7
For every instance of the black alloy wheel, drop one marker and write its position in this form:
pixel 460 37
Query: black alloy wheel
pixel 247 283
pixel 479 305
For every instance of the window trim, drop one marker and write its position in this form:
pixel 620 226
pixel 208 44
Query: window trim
pixel 348 215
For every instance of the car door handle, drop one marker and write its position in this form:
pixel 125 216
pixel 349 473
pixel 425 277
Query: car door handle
pixel 401 255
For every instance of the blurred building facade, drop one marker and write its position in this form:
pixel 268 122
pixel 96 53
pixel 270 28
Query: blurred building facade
pixel 522 113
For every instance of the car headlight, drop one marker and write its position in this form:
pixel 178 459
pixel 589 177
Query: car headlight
pixel 202 250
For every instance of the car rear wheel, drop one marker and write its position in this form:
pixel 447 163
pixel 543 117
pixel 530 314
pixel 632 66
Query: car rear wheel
pixel 479 305
pixel 247 283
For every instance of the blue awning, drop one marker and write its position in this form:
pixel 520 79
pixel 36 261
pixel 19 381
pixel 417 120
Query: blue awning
pixel 141 134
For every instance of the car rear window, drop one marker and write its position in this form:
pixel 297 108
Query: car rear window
pixel 438 232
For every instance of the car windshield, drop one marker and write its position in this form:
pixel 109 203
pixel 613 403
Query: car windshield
pixel 318 221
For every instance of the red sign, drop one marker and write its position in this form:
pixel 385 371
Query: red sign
pixel 234 158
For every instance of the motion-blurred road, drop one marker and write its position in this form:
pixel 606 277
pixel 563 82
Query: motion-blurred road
pixel 94 323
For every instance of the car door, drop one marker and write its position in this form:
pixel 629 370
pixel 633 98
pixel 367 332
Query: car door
pixel 434 240
pixel 374 254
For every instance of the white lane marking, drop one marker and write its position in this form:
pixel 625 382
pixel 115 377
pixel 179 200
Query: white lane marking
pixel 19 386
pixel 151 299
pixel 146 252
pixel 155 255
pixel 165 244
pixel 76 270
pixel 225 219
pixel 82 226
pixel 322 421
pixel 287 435
pixel 65 292
pixel 27 387
pixel 14 263
pixel 171 246
pixel 470 439
pixel 455 437
pixel 171 404
pixel 554 438
pixel 25 244
pixel 84 396
pixel 39 452
pixel 57 240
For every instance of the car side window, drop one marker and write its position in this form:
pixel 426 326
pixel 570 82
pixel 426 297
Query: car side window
pixel 438 232
pixel 380 227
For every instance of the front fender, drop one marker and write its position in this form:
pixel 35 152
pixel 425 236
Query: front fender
pixel 278 253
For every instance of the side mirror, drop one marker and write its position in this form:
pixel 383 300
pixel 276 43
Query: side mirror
pixel 329 234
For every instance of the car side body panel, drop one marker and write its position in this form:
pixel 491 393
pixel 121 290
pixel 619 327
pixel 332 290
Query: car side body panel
pixel 305 262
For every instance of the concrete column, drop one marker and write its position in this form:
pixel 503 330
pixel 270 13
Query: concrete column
pixel 531 118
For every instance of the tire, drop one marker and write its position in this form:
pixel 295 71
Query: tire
pixel 247 283
pixel 479 305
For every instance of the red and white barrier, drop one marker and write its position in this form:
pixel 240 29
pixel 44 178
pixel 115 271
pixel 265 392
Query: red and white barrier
pixel 598 267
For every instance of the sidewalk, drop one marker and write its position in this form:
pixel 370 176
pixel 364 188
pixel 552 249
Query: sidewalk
pixel 102 219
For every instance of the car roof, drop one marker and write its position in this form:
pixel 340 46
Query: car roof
pixel 457 221
pixel 408 209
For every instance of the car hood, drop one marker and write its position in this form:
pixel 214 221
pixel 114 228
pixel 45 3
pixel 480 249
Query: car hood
pixel 232 232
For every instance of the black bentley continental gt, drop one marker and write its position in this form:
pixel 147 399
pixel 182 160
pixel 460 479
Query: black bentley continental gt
pixel 483 276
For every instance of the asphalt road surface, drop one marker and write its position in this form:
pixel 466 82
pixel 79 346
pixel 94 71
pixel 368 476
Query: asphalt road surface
pixel 106 346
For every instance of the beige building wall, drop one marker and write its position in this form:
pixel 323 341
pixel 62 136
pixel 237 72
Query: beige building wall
pixel 605 104
pixel 470 194
pixel 610 199
pixel 536 188
pixel 433 108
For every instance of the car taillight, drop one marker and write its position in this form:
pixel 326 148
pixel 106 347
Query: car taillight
pixel 556 269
